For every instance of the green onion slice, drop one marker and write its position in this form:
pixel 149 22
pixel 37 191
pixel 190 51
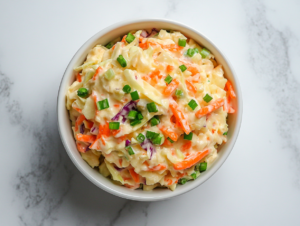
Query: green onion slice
pixel 82 92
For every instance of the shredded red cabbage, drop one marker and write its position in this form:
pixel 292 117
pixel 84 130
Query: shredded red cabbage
pixel 148 146
pixel 127 143
pixel 81 128
pixel 94 130
pixel 131 105
pixel 144 34
pixel 117 168
pixel 153 33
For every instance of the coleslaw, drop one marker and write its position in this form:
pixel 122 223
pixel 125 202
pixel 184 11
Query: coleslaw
pixel 150 110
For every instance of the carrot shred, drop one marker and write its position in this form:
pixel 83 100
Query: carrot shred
pixel 230 89
pixel 124 39
pixel 156 168
pixel 169 133
pixel 77 109
pixel 134 175
pixel 180 117
pixel 210 108
pixel 78 122
pixel 169 68
pixel 186 146
pixel 191 86
pixel 171 87
pixel 193 70
pixel 113 47
pixel 96 73
pixel 78 77
pixel 115 132
pixel 190 160
pixel 81 147
pixel 116 105
pixel 89 124
pixel 85 138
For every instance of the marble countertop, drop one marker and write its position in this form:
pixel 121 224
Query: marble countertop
pixel 259 184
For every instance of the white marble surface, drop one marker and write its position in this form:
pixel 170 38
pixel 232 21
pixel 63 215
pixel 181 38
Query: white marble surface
pixel 258 185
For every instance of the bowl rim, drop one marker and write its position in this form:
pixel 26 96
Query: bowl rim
pixel 211 171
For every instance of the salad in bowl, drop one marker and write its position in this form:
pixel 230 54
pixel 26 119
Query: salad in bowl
pixel 149 109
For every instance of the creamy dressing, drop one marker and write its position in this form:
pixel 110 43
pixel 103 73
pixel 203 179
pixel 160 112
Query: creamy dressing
pixel 142 63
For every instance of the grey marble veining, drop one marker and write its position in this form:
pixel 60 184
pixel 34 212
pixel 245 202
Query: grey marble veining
pixel 258 184
pixel 270 58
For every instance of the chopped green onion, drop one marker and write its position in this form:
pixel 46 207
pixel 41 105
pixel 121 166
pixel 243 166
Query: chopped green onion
pixel 135 122
pixel 122 61
pixel 129 38
pixel 151 135
pixel 225 133
pixel 182 67
pixel 140 116
pixel 157 140
pixel 188 136
pixel 135 95
pixel 114 125
pixel 152 107
pixel 207 98
pixel 190 52
pixel 102 104
pixel 182 181
pixel 169 139
pixel 132 114
pixel 130 150
pixel 193 104
pixel 109 74
pixel 194 176
pixel 196 50
pixel 82 92
pixel 168 79
pixel 140 138
pixel 109 45
pixel 182 42
pixel 202 167
pixel 204 53
pixel 178 93
pixel 154 121
pixel 126 89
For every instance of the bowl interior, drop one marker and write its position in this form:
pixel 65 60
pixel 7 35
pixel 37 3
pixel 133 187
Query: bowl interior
pixel 103 37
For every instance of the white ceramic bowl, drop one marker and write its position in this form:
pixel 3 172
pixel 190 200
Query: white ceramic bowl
pixel 64 125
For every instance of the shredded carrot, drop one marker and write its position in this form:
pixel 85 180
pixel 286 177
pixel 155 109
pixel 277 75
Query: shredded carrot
pixel 213 130
pixel 186 146
pixel 99 69
pixel 79 78
pixel 134 175
pixel 114 132
pixel 88 124
pixel 124 39
pixel 168 143
pixel 171 87
pixel 116 105
pixel 85 138
pixel 94 95
pixel 120 162
pixel 169 68
pixel 190 160
pixel 230 89
pixel 122 138
pixel 193 70
pixel 180 117
pixel 104 129
pixel 113 47
pixel 77 109
pixel 81 147
pixel 155 168
pixel 191 86
pixel 169 133
pixel 210 108
pixel 78 122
